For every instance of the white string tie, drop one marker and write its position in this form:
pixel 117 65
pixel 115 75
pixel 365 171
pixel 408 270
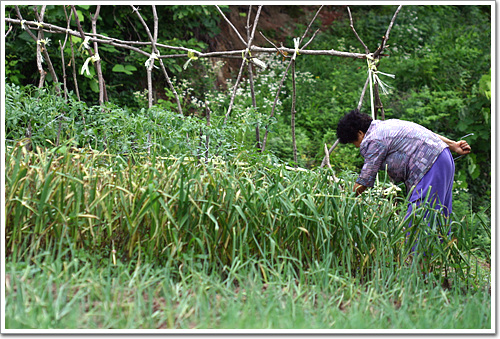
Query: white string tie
pixel 46 42
pixel 151 61
pixel 85 67
pixel 85 42
pixel 374 79
pixel 296 42
pixel 192 56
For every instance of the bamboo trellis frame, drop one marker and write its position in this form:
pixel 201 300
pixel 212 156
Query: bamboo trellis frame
pixel 244 54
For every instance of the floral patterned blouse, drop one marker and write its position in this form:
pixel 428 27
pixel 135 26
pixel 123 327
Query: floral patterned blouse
pixel 406 149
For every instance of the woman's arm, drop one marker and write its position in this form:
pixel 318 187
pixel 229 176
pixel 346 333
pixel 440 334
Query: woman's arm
pixel 461 147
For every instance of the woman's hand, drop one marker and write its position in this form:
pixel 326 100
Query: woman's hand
pixel 460 147
pixel 358 188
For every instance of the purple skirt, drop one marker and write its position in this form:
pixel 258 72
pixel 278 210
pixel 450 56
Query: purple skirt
pixel 439 180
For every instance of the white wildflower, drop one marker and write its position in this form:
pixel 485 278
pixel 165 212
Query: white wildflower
pixel 392 190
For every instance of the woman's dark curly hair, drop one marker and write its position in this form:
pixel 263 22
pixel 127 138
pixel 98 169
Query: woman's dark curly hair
pixel 350 124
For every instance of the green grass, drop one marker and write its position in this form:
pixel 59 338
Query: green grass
pixel 53 293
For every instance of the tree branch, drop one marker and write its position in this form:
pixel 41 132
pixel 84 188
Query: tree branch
pixel 130 45
pixel 43 49
pixel 293 112
pixel 386 36
pixel 274 104
pixel 10 29
pixel 283 79
pixel 360 103
pixel 100 78
pixel 326 159
pixel 356 33
pixel 155 50
pixel 38 56
pixel 232 26
pixel 80 30
pixel 310 24
pixel 276 47
pixel 308 42
pixel 245 56
pixel 250 79
pixel 73 62
pixel 61 47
